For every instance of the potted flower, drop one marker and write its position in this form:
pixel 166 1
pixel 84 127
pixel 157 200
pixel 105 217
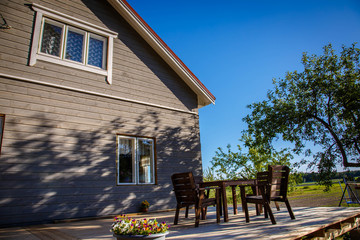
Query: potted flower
pixel 144 206
pixel 128 228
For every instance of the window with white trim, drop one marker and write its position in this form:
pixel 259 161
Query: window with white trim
pixel 65 40
pixel 135 160
pixel 73 44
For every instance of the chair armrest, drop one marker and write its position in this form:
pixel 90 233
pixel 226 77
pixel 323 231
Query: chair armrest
pixel 255 184
pixel 255 188
pixel 202 192
pixel 208 188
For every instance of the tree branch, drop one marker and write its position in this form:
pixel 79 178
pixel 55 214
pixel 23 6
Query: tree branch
pixel 357 146
pixel 338 143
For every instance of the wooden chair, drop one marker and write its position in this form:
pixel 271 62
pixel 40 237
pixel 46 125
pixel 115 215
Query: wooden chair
pixel 188 194
pixel 272 189
pixel 262 177
pixel 278 188
pixel 198 180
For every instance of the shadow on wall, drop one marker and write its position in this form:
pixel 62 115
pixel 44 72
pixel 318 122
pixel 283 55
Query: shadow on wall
pixel 56 166
pixel 54 170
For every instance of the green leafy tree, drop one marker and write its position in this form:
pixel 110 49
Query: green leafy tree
pixel 209 175
pixel 244 165
pixel 320 105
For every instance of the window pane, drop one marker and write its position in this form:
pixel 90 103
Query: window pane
pixel 74 46
pixel 2 122
pixel 126 160
pixel 145 151
pixel 96 52
pixel 2 117
pixel 51 39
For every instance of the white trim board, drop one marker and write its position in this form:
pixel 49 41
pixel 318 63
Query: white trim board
pixel 93 93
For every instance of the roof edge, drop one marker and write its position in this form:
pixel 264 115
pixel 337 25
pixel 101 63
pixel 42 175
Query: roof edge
pixel 205 97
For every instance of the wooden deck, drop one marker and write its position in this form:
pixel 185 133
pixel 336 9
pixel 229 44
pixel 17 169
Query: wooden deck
pixel 313 222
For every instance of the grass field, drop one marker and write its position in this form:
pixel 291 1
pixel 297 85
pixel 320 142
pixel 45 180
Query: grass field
pixel 308 195
pixel 313 195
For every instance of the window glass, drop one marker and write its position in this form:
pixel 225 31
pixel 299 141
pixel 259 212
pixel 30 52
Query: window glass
pixel 126 159
pixel 74 46
pixel 96 51
pixel 62 39
pixel 51 39
pixel 77 44
pixel 136 163
pixel 2 123
pixel 145 153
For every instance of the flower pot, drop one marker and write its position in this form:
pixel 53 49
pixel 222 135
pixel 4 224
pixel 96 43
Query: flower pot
pixel 144 209
pixel 158 236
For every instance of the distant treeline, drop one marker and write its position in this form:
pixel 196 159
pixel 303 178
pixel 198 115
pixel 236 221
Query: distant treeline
pixel 350 176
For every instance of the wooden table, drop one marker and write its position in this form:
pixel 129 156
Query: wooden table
pixel 223 184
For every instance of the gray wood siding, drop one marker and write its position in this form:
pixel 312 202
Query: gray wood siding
pixel 58 157
pixel 138 72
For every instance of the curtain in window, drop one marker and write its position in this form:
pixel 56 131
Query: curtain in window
pixel 126 156
pixel 145 160
pixel 2 123
pixel 51 40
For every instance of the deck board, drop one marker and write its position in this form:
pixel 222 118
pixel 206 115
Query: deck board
pixel 308 220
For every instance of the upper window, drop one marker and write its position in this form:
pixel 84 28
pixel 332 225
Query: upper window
pixel 62 39
pixel 69 43
pixel 2 123
pixel 135 160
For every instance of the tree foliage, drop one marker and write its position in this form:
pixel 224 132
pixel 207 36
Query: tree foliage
pixel 320 105
pixel 209 175
pixel 244 165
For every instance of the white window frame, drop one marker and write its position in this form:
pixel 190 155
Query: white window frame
pixel 85 44
pixel 98 37
pixel 58 24
pixel 45 14
pixel 136 160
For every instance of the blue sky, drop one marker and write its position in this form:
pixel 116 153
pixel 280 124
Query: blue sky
pixel 237 47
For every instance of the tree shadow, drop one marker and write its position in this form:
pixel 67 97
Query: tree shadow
pixel 60 173
pixel 53 168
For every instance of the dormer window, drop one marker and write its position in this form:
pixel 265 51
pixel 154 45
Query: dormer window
pixel 73 44
pixel 65 40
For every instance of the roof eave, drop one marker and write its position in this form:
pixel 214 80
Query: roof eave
pixel 205 97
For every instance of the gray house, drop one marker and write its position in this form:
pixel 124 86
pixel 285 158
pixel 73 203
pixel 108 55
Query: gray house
pixel 96 112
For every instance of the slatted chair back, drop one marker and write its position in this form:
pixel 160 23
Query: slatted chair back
pixel 278 181
pixel 262 177
pixel 184 188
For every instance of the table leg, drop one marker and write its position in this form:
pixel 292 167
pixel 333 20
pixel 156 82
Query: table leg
pixel 220 202
pixel 233 188
pixel 226 215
